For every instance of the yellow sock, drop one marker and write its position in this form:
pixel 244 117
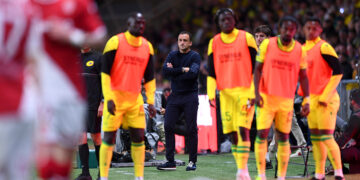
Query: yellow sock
pixel 105 159
pixel 235 154
pixel 243 150
pixel 138 156
pixel 319 153
pixel 333 150
pixel 283 157
pixel 260 153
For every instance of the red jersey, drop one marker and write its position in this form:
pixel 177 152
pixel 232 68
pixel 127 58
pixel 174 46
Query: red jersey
pixel 15 23
pixel 81 15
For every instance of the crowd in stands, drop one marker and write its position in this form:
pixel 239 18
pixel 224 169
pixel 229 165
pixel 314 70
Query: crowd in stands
pixel 341 24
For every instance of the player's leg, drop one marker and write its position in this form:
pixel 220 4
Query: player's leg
pixel 227 109
pixel 65 125
pixel 264 119
pixel 327 127
pixel 15 160
pixel 84 157
pixel 172 114
pixel 191 103
pixel 138 150
pixel 135 120
pixel 282 129
pixel 319 148
pixel 83 145
pixel 95 133
pixel 17 138
pixel 106 151
pixel 96 137
pixel 243 146
pixel 110 125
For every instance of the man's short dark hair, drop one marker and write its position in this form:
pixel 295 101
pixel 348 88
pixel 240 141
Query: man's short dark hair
pixel 264 29
pixel 133 14
pixel 166 90
pixel 186 32
pixel 222 11
pixel 355 95
pixel 312 18
pixel 288 18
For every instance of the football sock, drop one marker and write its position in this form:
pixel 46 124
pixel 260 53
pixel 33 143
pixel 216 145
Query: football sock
pixel 319 153
pixel 260 153
pixel 84 158
pixel 333 151
pixel 105 159
pixel 243 150
pixel 97 151
pixel 234 153
pixel 283 157
pixel 138 156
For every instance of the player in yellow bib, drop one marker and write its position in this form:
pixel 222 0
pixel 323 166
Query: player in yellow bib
pixel 231 60
pixel 324 73
pixel 127 60
pixel 279 65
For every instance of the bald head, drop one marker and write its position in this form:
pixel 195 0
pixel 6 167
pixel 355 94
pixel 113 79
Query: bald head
pixel 136 24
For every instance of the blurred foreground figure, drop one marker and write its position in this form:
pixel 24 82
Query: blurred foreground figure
pixel 68 25
pixel 17 107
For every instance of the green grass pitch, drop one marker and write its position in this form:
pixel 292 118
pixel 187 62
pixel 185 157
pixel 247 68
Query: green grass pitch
pixel 209 167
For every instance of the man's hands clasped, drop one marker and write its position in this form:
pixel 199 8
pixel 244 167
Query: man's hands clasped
pixel 183 69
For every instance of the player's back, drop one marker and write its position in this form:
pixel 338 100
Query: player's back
pixel 15 22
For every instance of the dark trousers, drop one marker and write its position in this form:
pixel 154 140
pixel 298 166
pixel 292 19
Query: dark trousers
pixel 188 104
pixel 352 156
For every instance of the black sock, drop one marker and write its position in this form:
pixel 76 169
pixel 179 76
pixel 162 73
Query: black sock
pixel 97 151
pixel 84 158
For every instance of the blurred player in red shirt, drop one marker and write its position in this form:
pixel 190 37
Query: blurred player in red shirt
pixel 17 107
pixel 68 25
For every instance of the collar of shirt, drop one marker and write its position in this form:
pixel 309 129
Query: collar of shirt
pixel 311 43
pixel 132 40
pixel 229 38
pixel 287 48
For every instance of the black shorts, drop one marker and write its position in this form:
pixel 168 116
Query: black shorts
pixel 93 122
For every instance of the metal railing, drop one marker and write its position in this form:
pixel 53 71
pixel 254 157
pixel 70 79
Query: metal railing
pixel 344 88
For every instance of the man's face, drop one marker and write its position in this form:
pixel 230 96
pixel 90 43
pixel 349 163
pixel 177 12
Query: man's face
pixel 184 42
pixel 166 94
pixel 312 30
pixel 136 25
pixel 226 22
pixel 259 37
pixel 287 32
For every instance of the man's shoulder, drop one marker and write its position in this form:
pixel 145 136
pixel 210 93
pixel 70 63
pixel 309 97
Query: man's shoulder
pixel 173 53
pixel 195 54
